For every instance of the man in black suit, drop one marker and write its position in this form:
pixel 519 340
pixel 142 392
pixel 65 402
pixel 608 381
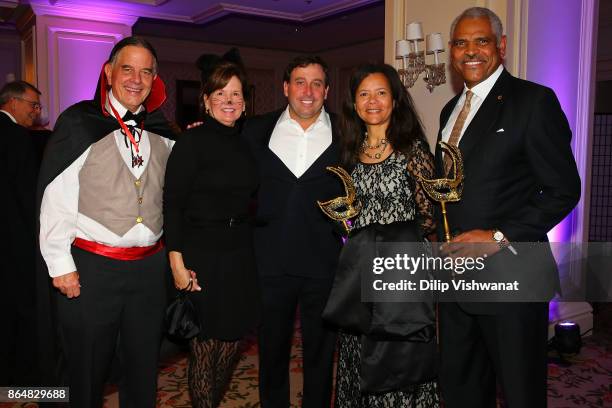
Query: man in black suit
pixel 19 107
pixel 520 181
pixel 295 245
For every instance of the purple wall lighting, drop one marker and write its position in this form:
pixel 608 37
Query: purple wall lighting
pixel 553 55
pixel 79 68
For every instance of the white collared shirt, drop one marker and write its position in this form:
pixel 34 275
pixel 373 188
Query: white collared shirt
pixel 9 115
pixel 123 142
pixel 481 91
pixel 297 148
pixel 61 222
pixel 480 94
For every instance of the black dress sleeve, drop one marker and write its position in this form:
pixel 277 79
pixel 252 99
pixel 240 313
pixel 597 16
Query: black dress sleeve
pixel 421 164
pixel 178 184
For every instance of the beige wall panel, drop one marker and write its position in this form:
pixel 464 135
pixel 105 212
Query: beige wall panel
pixel 70 54
pixel 436 16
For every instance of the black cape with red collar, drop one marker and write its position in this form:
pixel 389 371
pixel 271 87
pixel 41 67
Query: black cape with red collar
pixel 86 122
pixel 77 128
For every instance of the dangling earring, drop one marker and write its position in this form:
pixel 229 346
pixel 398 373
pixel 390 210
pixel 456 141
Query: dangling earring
pixel 244 110
pixel 206 110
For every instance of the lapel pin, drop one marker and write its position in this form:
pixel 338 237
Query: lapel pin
pixel 499 97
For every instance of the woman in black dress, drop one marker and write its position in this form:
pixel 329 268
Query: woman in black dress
pixel 385 148
pixel 210 178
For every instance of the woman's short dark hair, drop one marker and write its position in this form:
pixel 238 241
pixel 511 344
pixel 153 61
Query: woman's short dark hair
pixel 404 126
pixel 219 77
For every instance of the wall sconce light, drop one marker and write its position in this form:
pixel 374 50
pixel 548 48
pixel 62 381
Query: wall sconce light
pixel 413 60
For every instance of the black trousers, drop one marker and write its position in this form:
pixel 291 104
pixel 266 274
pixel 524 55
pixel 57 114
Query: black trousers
pixel 508 348
pixel 18 357
pixel 282 295
pixel 18 335
pixel 121 302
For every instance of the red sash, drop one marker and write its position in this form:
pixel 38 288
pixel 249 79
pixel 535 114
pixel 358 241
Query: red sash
pixel 122 254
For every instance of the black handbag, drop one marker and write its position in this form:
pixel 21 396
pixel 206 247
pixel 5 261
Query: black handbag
pixel 398 347
pixel 344 307
pixel 182 321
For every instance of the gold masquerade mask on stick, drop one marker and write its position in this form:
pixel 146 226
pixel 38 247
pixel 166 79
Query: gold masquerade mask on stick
pixel 342 209
pixel 448 189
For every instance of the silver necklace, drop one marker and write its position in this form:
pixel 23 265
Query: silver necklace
pixel 382 144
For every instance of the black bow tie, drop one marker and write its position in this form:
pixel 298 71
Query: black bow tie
pixel 138 118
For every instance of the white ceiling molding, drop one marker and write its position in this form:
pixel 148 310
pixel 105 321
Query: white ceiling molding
pixel 84 13
pixel 147 2
pixel 222 9
pixel 9 3
pixel 335 9
pixel 174 10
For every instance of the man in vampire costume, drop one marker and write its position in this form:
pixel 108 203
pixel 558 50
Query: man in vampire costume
pixel 520 181
pixel 101 221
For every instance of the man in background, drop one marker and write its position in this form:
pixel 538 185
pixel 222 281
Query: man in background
pixel 19 108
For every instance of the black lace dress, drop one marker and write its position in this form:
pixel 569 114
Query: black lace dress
pixel 389 192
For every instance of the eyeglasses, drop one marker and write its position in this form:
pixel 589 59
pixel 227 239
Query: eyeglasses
pixel 34 105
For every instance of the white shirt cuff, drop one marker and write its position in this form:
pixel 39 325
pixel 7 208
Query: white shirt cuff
pixel 61 266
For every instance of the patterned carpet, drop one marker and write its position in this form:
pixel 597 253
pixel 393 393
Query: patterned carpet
pixel 585 382
pixel 242 392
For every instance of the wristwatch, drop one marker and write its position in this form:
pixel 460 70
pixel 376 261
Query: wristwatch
pixel 502 241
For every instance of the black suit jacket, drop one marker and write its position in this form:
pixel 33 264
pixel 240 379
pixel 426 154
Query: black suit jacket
pixel 18 359
pixel 293 236
pixel 520 174
pixel 19 172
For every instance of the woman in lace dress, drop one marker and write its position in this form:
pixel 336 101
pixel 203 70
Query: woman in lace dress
pixel 384 145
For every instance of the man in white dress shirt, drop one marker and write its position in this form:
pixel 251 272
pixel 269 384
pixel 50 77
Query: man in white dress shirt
pixel 295 247
pixel 100 228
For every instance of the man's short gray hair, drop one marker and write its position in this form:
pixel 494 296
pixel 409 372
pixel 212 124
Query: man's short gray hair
pixel 15 89
pixel 476 12
pixel 136 42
